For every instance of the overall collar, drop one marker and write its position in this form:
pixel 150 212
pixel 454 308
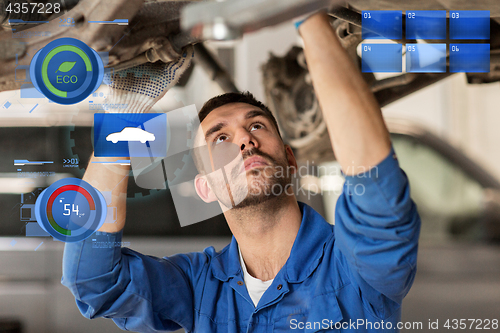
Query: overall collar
pixel 306 253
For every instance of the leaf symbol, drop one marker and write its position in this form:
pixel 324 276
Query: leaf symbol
pixel 66 66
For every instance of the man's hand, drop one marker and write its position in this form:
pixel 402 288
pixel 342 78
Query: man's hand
pixel 140 88
pixel 354 120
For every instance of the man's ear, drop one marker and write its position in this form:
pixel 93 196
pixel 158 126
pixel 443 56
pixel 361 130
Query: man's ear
pixel 203 189
pixel 291 158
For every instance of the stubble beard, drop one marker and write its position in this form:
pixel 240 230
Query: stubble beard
pixel 263 184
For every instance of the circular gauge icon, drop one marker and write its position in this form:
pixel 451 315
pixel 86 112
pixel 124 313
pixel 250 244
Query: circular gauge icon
pixel 66 71
pixel 70 210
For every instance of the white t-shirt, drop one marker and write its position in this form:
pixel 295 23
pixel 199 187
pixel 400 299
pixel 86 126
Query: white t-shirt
pixel 255 287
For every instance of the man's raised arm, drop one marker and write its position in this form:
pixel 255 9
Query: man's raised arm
pixel 352 115
pixel 140 293
pixel 376 222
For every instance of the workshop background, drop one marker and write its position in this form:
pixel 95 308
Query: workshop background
pixel 452 123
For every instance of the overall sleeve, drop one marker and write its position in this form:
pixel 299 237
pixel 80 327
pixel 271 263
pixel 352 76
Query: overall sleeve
pixel 376 235
pixel 140 293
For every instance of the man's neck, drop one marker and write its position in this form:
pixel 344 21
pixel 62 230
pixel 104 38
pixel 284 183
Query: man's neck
pixel 265 234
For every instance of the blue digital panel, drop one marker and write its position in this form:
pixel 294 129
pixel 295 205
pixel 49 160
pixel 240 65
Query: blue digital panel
pixel 470 24
pixel 426 58
pixel 381 58
pixel 471 58
pixel 426 24
pixel 382 24
pixel 130 134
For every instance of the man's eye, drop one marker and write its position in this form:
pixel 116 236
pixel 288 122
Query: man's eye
pixel 257 126
pixel 220 138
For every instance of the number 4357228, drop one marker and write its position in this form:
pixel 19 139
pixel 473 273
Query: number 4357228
pixel 33 7
pixel 469 324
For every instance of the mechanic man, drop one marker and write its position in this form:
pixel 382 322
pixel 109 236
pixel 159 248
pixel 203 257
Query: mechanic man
pixel 286 268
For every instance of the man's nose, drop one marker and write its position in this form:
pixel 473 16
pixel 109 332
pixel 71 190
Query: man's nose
pixel 246 140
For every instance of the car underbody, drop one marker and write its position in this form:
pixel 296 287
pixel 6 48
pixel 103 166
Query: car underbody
pixel 158 31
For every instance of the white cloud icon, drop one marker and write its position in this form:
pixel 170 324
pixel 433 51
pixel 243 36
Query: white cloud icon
pixel 131 134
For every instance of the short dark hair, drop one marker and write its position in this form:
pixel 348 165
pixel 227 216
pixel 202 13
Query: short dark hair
pixel 233 97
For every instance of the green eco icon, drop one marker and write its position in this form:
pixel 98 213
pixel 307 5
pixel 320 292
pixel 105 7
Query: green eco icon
pixel 45 65
pixel 66 71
